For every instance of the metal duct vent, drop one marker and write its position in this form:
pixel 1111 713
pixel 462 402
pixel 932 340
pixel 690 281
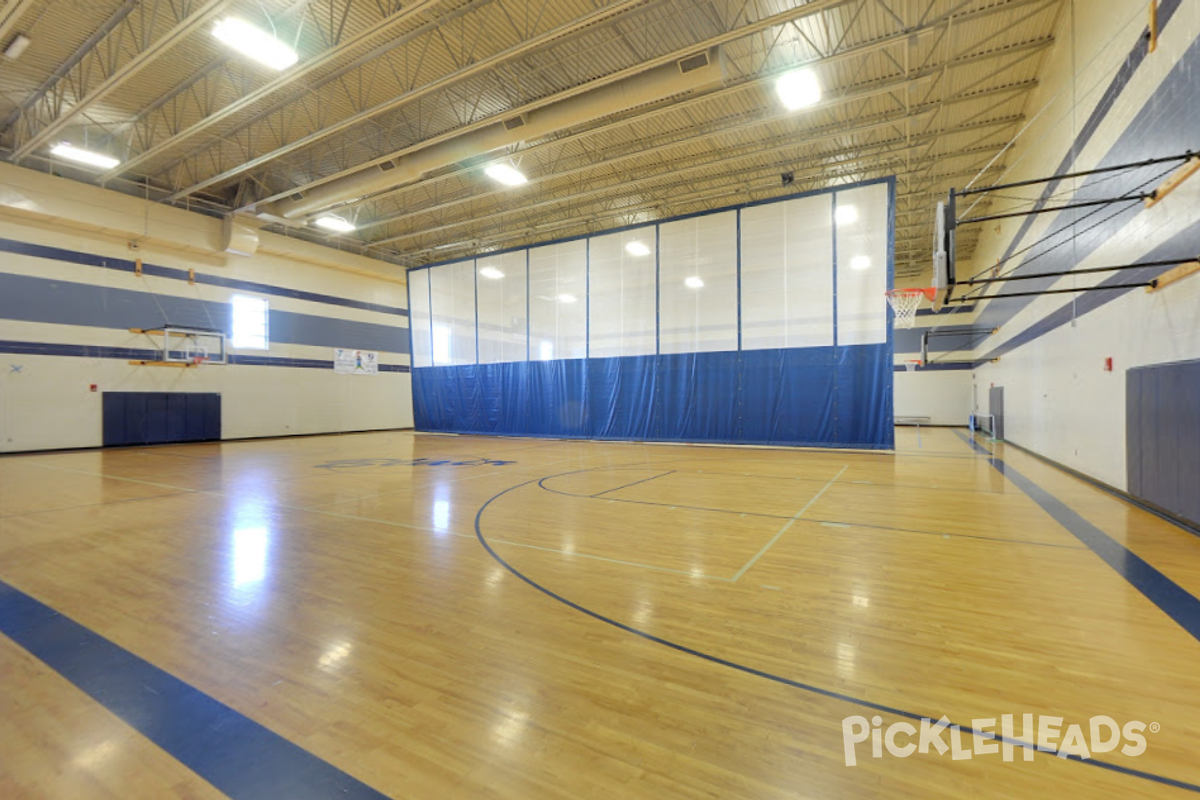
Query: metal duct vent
pixel 298 196
pixel 698 61
pixel 387 166
pixel 514 123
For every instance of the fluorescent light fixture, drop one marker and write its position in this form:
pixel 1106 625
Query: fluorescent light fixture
pixel 491 272
pixel 846 215
pixel 566 298
pixel 798 89
pixel 637 249
pixel 693 282
pixel 17 47
pixel 506 174
pixel 334 223
pixel 81 156
pixel 859 263
pixel 255 43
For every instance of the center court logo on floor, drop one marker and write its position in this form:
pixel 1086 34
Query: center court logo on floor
pixel 1037 733
pixel 351 464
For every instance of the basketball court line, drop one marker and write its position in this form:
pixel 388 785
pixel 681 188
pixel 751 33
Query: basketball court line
pixel 541 485
pixel 788 525
pixel 240 757
pixel 1171 598
pixel 635 483
pixel 95 505
pixel 810 688
pixel 761 476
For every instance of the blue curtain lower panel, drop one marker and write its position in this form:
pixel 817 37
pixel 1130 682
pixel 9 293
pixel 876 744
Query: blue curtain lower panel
pixel 821 396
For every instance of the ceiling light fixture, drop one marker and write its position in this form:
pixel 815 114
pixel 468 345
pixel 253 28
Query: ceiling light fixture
pixel 693 282
pixel 859 263
pixel 81 156
pixel 491 272
pixel 846 215
pixel 566 298
pixel 334 223
pixel 798 89
pixel 505 174
pixel 637 249
pixel 255 43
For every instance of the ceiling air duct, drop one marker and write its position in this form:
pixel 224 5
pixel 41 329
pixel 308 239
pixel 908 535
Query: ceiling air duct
pixel 701 71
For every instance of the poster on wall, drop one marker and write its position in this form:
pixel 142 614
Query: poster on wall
pixel 355 362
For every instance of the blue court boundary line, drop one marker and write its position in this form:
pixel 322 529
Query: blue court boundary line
pixel 1171 598
pixel 806 687
pixel 237 755
pixel 763 515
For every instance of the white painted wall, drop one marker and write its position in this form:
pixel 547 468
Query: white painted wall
pixel 46 403
pixel 942 395
pixel 1059 401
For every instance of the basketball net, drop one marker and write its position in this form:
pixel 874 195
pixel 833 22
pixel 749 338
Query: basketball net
pixel 904 304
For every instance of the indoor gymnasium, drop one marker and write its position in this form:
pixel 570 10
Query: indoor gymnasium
pixel 522 399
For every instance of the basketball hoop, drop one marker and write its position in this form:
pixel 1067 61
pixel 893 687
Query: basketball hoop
pixel 904 304
pixel 912 364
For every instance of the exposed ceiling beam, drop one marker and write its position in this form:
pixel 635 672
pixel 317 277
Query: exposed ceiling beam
pixel 10 15
pixel 742 183
pixel 44 120
pixel 767 23
pixel 810 136
pixel 479 67
pixel 288 78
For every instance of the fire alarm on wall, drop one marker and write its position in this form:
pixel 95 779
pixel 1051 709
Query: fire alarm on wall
pixel 1108 364
pixel 93 388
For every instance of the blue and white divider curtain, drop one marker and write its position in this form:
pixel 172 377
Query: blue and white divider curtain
pixel 761 324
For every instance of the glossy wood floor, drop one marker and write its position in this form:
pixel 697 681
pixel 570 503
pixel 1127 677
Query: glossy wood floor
pixel 334 589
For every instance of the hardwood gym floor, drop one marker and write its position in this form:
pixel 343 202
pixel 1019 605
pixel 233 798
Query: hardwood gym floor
pixel 457 617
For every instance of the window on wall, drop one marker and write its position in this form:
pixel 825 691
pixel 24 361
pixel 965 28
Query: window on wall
pixel 787 274
pixel 503 316
pixel 250 330
pixel 558 301
pixel 697 284
pixel 861 219
pixel 418 301
pixel 622 304
pixel 453 314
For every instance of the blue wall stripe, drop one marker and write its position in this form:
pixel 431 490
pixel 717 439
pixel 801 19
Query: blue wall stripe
pixel 1148 135
pixel 957 309
pixel 138 354
pixel 34 299
pixel 234 753
pixel 1169 596
pixel 949 366
pixel 126 265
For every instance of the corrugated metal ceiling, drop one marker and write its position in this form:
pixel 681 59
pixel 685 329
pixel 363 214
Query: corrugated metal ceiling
pixel 927 90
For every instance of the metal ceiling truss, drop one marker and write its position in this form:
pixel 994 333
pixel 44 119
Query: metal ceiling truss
pixel 374 152
pixel 607 177
pixel 136 34
pixel 548 159
pixel 228 85
pixel 411 76
pixel 591 211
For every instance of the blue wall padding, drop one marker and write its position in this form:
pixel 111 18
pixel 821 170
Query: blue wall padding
pixel 1162 429
pixel 820 396
pixel 161 417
